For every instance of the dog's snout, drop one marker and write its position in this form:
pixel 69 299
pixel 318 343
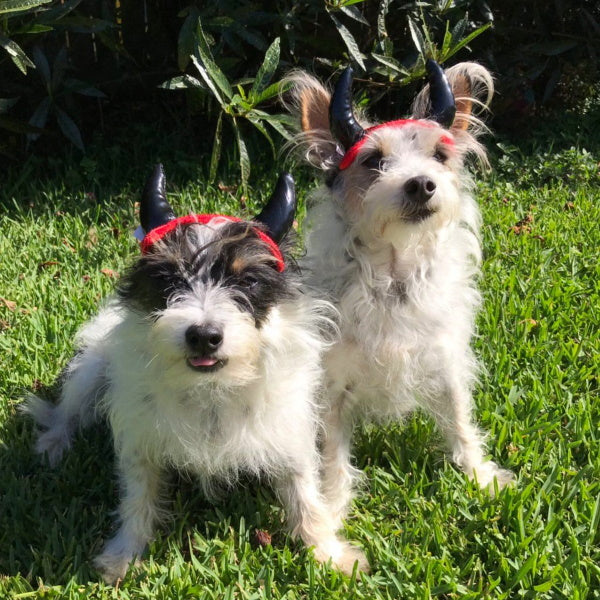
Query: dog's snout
pixel 204 339
pixel 419 189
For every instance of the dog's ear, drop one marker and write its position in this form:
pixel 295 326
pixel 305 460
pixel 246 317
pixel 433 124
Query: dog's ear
pixel 461 88
pixel 314 109
pixel 472 87
pixel 309 101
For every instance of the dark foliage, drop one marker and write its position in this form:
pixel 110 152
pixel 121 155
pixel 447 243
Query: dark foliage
pixel 68 70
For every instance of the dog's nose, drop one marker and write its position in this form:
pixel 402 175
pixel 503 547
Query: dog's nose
pixel 419 189
pixel 204 339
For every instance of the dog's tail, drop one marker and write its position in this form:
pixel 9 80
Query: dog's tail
pixel 82 385
pixel 84 382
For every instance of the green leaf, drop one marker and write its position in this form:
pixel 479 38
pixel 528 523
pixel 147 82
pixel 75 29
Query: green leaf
pixel 284 124
pixel 256 120
pixel 417 37
pixel 266 71
pixel 554 48
pixel 391 63
pixel 187 39
pixel 7 6
pixel 69 128
pixel 32 28
pixel 280 129
pixel 39 117
pixel 382 33
pixel 82 87
pixel 244 157
pixel 465 41
pixel 182 82
pixel 6 103
pixel 349 40
pixel 354 13
pixel 18 56
pixel 249 36
pixel 447 42
pixel 17 126
pixel 458 31
pixel 216 150
pixel 238 101
pixel 268 93
pixel 209 64
pixel 59 68
pixel 41 64
pixel 83 24
pixel 59 11
pixel 209 82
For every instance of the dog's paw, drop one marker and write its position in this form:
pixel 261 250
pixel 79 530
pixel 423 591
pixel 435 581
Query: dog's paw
pixel 489 474
pixel 343 556
pixel 114 566
pixel 53 443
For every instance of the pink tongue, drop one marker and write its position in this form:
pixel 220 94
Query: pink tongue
pixel 202 361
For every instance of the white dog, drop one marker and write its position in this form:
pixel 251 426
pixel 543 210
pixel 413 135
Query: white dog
pixel 207 361
pixel 394 243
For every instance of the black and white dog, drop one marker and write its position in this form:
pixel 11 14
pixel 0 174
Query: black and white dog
pixel 207 360
pixel 394 243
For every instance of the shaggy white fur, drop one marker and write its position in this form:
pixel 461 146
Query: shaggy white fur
pixel 254 414
pixel 401 272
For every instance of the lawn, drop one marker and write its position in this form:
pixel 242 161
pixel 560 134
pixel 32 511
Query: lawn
pixel 66 228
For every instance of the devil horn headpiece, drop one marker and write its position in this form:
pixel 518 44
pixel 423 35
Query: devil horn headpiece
pixel 154 208
pixel 344 126
pixel 278 214
pixel 443 107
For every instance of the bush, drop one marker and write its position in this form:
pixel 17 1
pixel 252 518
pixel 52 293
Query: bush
pixel 90 62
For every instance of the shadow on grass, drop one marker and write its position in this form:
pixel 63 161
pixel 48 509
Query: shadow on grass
pixel 53 521
pixel 112 173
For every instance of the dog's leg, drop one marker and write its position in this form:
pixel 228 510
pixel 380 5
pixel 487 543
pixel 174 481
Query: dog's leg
pixel 339 476
pixel 84 381
pixel 465 439
pixel 138 513
pixel 309 518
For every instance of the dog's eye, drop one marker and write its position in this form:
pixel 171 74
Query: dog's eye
pixel 440 156
pixel 374 161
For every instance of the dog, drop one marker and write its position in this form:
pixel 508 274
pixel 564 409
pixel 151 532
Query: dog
pixel 393 242
pixel 207 360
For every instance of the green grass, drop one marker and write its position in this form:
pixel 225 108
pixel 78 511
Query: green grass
pixel 66 231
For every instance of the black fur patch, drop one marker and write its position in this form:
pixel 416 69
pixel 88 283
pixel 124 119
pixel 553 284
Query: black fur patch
pixel 331 177
pixel 237 259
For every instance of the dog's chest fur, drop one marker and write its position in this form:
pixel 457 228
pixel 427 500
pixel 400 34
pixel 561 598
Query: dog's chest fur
pixel 215 431
pixel 402 315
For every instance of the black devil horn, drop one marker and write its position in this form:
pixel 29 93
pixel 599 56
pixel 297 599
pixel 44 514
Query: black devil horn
pixel 443 107
pixel 278 214
pixel 154 208
pixel 343 124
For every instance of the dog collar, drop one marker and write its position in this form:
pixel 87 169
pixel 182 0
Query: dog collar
pixel 159 232
pixel 351 153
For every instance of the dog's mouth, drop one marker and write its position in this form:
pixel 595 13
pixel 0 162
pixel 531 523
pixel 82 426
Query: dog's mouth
pixel 206 364
pixel 419 214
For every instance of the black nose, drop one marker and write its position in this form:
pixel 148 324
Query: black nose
pixel 419 189
pixel 204 339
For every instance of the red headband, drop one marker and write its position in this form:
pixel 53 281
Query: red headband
pixel 159 232
pixel 353 150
